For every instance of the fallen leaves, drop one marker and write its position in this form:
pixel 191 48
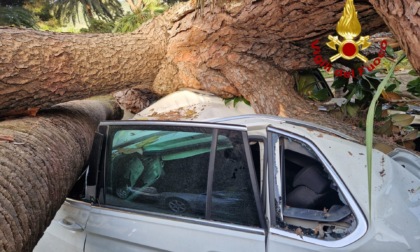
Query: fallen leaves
pixel 181 113
pixel 299 232
pixel 319 231
pixel 32 111
pixel 385 148
pixel 391 96
pixel 382 173
pixel 19 113
pixel 7 138
pixel 402 120
pixel 398 128
pixel 325 213
pixel 414 190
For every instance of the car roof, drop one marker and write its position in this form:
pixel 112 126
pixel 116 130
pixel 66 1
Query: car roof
pixel 201 106
pixel 259 121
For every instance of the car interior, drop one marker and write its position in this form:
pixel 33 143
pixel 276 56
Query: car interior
pixel 313 203
pixel 178 185
pixel 307 184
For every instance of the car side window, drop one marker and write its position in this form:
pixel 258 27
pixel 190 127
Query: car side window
pixel 233 199
pixel 167 172
pixel 309 202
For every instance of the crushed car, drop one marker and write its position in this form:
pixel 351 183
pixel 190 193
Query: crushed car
pixel 242 182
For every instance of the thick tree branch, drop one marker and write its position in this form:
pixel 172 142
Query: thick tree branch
pixel 40 162
pixel 403 18
pixel 178 49
pixel 41 69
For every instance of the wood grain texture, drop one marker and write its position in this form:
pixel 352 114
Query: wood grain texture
pixel 185 47
pixel 403 19
pixel 39 165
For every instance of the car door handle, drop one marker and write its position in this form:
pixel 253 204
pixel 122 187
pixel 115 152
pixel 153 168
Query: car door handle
pixel 70 224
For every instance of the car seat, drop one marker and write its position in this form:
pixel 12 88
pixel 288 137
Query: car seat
pixel 311 189
pixel 127 169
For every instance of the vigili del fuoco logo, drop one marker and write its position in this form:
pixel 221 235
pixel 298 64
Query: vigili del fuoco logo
pixel 347 47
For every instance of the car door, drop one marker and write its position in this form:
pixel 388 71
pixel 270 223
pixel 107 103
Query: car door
pixel 310 207
pixel 168 203
pixel 66 233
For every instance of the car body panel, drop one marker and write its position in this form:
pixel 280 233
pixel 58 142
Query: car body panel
pixel 407 159
pixel 189 104
pixel 115 230
pixel 392 185
pixel 354 155
pixel 391 225
pixel 66 233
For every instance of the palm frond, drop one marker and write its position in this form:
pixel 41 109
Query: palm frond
pixel 17 16
pixel 68 10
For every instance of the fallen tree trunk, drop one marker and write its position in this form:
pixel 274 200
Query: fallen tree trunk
pixel 403 18
pixel 40 160
pixel 208 50
pixel 40 69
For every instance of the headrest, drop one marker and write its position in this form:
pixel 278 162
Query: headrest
pixel 313 178
pixel 299 159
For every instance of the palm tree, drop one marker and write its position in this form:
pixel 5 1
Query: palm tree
pixel 142 10
pixel 68 10
pixel 13 13
pixel 135 6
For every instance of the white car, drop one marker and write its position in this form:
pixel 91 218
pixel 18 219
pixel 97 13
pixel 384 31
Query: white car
pixel 242 183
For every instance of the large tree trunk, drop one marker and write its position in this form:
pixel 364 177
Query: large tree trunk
pixel 39 69
pixel 235 48
pixel 403 18
pixel 40 159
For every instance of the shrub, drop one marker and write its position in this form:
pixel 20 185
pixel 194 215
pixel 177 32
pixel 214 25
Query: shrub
pixel 98 26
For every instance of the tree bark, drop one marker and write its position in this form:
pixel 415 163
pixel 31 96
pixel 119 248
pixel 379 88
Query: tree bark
pixel 403 18
pixel 39 69
pixel 218 49
pixel 40 160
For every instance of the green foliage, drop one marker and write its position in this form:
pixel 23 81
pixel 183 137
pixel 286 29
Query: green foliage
pixel 44 11
pixel 68 10
pixel 100 15
pixel 352 109
pixel 237 99
pixel 52 24
pixel 172 2
pixel 402 120
pixel 310 86
pixel 320 95
pixel 16 16
pixel 154 7
pixel 98 26
pixel 414 85
pixel 369 126
pixel 340 82
pixel 130 22
pixel 413 72
pixel 372 92
pixel 362 88
pixel 390 51
pixel 12 2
